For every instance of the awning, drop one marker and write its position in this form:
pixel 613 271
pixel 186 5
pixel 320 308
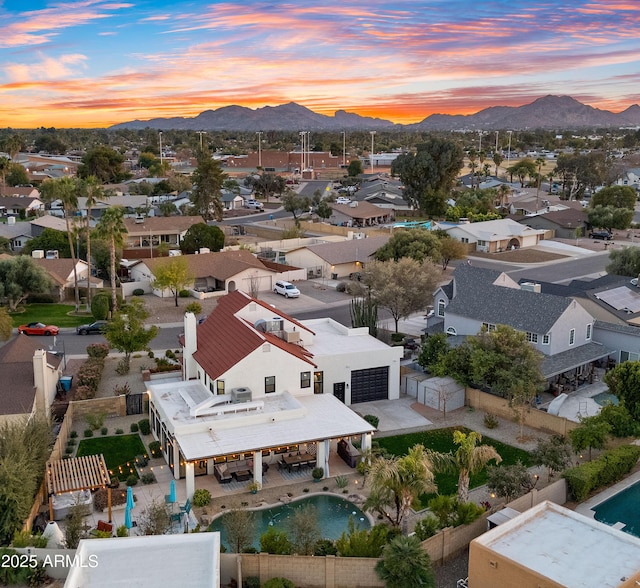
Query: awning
pixel 554 365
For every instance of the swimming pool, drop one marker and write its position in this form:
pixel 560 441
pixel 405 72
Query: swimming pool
pixel 334 513
pixel 605 398
pixel 621 508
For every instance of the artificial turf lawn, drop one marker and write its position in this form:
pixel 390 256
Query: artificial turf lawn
pixel 50 314
pixel 118 450
pixel 441 440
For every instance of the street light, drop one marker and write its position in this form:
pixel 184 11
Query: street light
pixel 509 149
pixel 302 134
pixel 259 133
pixel 160 139
pixel 496 142
pixel 308 149
pixel 371 155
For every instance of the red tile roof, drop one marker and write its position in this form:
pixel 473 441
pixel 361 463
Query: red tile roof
pixel 224 340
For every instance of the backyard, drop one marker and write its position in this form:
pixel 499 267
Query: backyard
pixel 119 452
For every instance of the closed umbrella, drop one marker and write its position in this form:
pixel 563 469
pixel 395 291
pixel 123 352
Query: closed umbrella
pixel 172 492
pixel 127 518
pixel 130 502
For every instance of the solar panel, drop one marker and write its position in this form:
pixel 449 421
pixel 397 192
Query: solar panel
pixel 622 298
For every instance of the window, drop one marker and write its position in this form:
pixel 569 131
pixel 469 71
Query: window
pixel 488 327
pixel 532 337
pixel 482 243
pixel 305 379
pixel 441 307
pixel 572 336
pixel 269 384
pixel 219 387
pixel 464 239
pixel 628 356
pixel 451 331
pixel 589 327
pixel 546 339
pixel 318 378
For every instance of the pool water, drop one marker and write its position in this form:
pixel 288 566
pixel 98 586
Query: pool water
pixel 605 398
pixel 333 511
pixel 623 508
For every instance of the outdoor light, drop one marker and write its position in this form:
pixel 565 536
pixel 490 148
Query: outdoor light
pixel 492 495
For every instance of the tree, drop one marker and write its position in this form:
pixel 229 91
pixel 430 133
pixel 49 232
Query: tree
pixel 173 275
pixel 5 162
pixel 610 217
pixel 580 172
pixel 111 227
pixel 275 542
pixel 397 481
pixel 127 332
pixel 49 240
pixel 296 204
pixel 405 563
pixel 591 434
pixel 510 481
pixel 19 278
pixel 91 189
pixel 429 174
pixel 303 530
pixel 354 169
pixel 201 236
pixel 553 453
pixel 624 262
pixel 402 287
pixel 356 542
pixel 468 459
pixel 497 159
pixel 239 525
pixel 6 324
pixel 323 210
pixel 623 381
pixel 155 519
pixel 208 179
pixel 618 196
pixel 167 208
pixel 266 184
pixel 418 244
pixel 523 168
pixel 65 190
pixel 433 350
pixel 104 163
pixel 451 249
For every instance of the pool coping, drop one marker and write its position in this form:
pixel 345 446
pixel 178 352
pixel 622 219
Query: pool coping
pixel 587 508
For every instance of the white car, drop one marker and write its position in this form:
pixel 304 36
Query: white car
pixel 287 289
pixel 254 204
pixel 342 200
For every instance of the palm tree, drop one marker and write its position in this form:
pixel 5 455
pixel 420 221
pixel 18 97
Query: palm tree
pixel 405 563
pixel 397 481
pixel 111 227
pixel 540 162
pixel 66 191
pixel 93 191
pixel 497 159
pixel 503 193
pixel 4 166
pixel 468 459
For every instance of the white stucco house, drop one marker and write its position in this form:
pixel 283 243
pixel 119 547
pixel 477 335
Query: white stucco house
pixel 257 383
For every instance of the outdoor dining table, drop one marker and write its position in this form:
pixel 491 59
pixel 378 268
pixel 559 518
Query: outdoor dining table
pixel 298 460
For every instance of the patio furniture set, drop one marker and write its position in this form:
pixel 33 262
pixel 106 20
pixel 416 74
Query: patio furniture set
pixel 298 461
pixel 241 470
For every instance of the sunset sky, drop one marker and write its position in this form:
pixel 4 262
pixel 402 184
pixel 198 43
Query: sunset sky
pixel 96 63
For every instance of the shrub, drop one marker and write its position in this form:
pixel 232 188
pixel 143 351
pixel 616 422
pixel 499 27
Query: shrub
pixel 98 350
pixel 148 478
pixel 145 426
pixel 119 431
pixel 305 490
pixel 201 497
pixel 71 442
pixel 26 539
pixel 317 473
pixel 104 430
pixel 141 461
pixel 170 354
pixel 132 480
pixel 84 393
pixel 372 419
pixel 100 304
pixel 194 307
pixel 491 421
pixel 275 541
pixel 341 287
pixel 138 292
pixel 325 547
pixel 151 355
pixel 88 433
pixel 184 294
pixel 279 583
pixel 123 367
pixel 95 421
pixel 122 531
pixel 356 289
pixel 427 527
pixel 73 434
pixel 122 390
pixel 68 450
pixel 341 482
pixel 251 582
pixel 619 419
pixel 155 449
pixel 134 427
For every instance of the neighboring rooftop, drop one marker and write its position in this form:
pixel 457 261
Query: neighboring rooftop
pixel 349 250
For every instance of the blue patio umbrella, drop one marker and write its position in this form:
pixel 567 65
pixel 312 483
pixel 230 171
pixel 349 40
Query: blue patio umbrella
pixel 130 502
pixel 172 491
pixel 127 518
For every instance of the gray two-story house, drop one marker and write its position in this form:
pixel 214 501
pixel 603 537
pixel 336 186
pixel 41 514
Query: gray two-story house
pixel 557 326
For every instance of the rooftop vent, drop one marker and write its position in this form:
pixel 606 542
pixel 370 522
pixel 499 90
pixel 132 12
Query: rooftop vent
pixel 239 395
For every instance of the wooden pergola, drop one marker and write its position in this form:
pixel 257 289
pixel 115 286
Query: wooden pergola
pixel 77 473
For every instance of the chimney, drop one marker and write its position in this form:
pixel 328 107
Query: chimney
pixel 190 346
pixel 42 375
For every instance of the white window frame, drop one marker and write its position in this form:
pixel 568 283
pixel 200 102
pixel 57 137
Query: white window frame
pixel 589 331
pixel 546 339
pixel 532 337
pixel 489 327
pixel 451 331
pixel 572 337
pixel 441 307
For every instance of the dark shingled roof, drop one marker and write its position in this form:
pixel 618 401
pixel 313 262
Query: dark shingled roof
pixel 552 365
pixel 479 299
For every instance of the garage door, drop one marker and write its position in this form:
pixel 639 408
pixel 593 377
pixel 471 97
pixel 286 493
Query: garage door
pixel 371 384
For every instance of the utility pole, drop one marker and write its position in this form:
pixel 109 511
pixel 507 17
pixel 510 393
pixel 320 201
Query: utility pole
pixel 201 133
pixel 259 133
pixel 371 154
pixel 344 150
pixel 160 139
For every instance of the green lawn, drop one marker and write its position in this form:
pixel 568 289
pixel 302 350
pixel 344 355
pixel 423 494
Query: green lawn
pixel 118 450
pixel 441 440
pixel 51 314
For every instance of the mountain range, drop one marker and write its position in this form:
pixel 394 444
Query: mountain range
pixel 548 112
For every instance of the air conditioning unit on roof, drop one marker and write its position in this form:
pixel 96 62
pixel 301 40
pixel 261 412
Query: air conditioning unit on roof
pixel 242 394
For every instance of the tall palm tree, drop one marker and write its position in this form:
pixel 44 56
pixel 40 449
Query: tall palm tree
pixel 111 227
pixel 503 194
pixel 92 190
pixel 397 481
pixel 497 159
pixel 468 459
pixel 65 190
pixel 4 166
pixel 540 163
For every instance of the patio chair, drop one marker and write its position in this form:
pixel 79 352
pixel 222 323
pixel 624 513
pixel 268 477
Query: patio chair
pixel 186 508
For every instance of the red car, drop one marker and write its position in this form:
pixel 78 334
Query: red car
pixel 38 329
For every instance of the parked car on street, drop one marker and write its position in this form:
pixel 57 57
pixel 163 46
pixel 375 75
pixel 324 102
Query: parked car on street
pixel 287 289
pixel 92 329
pixel 38 329
pixel 605 235
pixel 254 204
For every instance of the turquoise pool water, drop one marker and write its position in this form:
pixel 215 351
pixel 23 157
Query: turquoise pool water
pixel 334 513
pixel 622 508
pixel 605 398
